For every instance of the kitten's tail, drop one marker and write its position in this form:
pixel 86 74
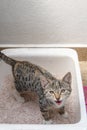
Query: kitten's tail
pixel 7 59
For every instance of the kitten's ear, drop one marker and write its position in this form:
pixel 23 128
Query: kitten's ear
pixel 67 78
pixel 44 81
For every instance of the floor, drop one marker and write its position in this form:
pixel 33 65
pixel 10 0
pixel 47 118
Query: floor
pixel 83 68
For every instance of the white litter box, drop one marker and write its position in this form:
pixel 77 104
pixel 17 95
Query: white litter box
pixel 58 62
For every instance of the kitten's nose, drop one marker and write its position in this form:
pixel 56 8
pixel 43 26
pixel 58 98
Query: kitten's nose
pixel 57 97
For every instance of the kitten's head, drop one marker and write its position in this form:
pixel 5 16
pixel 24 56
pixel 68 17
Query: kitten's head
pixel 59 90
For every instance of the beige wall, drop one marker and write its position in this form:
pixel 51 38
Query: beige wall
pixel 43 21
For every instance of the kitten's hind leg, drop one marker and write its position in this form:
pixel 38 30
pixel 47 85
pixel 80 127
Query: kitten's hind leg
pixel 17 96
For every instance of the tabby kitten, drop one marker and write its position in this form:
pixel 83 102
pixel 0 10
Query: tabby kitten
pixel 52 92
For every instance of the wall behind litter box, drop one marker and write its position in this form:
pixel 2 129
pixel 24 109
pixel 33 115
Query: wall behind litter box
pixel 43 21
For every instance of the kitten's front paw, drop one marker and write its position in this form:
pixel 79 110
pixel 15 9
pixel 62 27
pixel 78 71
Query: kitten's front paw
pixel 65 115
pixel 47 122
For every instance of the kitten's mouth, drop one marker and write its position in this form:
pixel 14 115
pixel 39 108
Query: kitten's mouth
pixel 58 102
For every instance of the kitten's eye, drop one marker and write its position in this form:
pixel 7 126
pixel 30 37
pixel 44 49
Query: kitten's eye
pixel 52 92
pixel 63 90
